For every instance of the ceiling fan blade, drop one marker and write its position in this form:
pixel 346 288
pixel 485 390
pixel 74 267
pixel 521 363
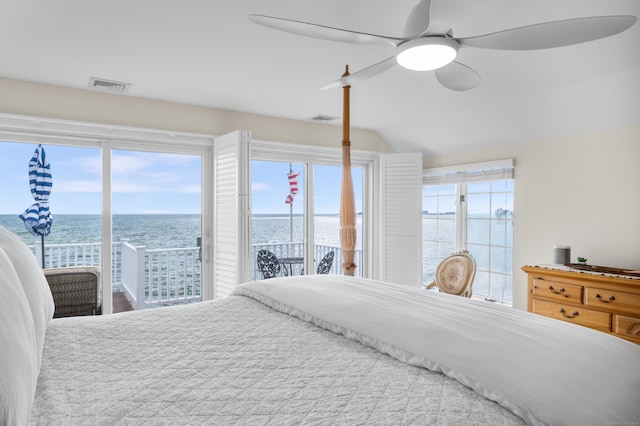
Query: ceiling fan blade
pixel 323 32
pixel 418 20
pixel 363 74
pixel 457 76
pixel 552 34
pixel 421 21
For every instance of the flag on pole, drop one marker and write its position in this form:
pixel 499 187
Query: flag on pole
pixel 293 187
pixel 293 182
pixel 289 199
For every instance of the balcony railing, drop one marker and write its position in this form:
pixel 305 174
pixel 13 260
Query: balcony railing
pixel 282 250
pixel 164 276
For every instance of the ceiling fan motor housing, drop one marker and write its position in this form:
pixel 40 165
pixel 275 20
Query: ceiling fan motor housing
pixel 427 53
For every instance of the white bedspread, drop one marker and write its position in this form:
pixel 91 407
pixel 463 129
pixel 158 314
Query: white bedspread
pixel 546 371
pixel 237 362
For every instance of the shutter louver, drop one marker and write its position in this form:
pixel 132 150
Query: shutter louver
pixel 402 187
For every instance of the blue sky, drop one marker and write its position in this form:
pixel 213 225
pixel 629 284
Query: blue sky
pixel 150 182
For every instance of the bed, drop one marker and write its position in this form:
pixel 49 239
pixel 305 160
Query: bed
pixel 304 350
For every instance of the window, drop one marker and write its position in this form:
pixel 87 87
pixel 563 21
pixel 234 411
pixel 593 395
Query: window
pixel 112 184
pixel 471 207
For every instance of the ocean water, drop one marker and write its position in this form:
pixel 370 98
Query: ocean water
pixel 152 231
pixel 174 230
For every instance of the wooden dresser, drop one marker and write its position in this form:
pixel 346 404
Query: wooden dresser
pixel 603 302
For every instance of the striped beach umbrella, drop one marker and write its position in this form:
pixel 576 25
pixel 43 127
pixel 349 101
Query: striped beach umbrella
pixel 37 218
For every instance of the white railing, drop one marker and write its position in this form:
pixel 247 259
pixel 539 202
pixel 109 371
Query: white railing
pixel 78 254
pixel 165 276
pixel 160 276
pixel 282 250
pixel 148 277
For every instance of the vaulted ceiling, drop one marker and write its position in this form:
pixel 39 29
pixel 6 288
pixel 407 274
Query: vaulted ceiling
pixel 208 53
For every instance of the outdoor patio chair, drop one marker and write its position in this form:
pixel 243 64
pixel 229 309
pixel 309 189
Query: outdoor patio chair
pixel 325 264
pixel 268 264
pixel 455 274
pixel 76 291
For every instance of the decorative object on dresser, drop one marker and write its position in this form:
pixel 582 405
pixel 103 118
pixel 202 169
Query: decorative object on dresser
pixel 602 298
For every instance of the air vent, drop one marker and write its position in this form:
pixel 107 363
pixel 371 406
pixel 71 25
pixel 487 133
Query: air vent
pixel 108 85
pixel 322 117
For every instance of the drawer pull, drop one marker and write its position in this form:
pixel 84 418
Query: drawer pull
pixel 564 313
pixel 611 299
pixel 552 290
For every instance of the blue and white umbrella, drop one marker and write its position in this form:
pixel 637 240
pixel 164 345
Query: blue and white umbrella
pixel 37 218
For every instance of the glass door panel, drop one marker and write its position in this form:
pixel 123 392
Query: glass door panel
pixel 157 222
pixel 75 202
pixel 326 219
pixel 277 226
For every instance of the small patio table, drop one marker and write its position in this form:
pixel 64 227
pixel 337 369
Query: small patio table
pixel 284 261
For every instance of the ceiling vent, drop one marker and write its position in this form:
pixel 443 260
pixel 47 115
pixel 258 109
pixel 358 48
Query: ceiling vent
pixel 108 85
pixel 323 118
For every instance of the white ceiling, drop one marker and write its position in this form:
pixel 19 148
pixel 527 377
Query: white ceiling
pixel 207 53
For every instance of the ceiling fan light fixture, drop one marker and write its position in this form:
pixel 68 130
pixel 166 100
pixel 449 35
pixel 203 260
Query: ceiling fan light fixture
pixel 427 53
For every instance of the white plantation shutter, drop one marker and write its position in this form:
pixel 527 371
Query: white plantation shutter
pixel 464 173
pixel 401 199
pixel 232 211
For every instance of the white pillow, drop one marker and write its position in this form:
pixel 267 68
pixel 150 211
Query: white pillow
pixel 34 284
pixel 19 359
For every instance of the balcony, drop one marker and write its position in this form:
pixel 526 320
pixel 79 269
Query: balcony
pixel 161 277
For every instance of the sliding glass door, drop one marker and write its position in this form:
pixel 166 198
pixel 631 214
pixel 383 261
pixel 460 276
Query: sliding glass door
pixel 277 220
pixel 157 222
pixel 293 234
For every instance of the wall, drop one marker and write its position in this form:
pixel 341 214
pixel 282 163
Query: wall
pixel 40 100
pixel 579 190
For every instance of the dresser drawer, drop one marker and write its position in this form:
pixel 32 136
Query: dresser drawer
pixel 627 327
pixel 611 300
pixel 575 314
pixel 546 288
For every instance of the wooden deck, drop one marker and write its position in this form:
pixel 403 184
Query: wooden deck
pixel 120 303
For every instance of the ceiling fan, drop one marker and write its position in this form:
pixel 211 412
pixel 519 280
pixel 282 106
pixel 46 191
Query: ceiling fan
pixel 429 43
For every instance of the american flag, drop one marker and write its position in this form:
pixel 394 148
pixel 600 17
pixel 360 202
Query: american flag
pixel 289 199
pixel 293 182
pixel 293 187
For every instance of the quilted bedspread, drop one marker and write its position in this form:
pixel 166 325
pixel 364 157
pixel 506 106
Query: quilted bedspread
pixel 234 362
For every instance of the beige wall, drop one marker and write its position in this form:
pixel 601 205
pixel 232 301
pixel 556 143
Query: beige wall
pixel 580 190
pixel 39 100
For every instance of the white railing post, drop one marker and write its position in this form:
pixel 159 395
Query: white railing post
pixel 132 273
pixel 39 253
pixel 140 277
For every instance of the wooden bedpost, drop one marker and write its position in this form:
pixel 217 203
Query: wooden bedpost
pixel 347 203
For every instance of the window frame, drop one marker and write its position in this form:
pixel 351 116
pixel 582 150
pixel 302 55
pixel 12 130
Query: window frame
pixel 461 176
pixel 310 155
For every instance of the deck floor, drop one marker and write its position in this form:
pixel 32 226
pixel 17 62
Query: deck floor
pixel 120 303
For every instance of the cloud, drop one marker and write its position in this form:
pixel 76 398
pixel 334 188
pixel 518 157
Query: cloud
pixel 260 186
pixel 77 186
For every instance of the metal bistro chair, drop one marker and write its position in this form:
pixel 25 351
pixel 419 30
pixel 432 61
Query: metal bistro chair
pixel 268 264
pixel 455 274
pixel 325 264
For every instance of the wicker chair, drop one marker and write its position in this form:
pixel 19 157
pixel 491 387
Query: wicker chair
pixel 455 274
pixel 76 291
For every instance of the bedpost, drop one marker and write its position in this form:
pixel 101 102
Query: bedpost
pixel 347 203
